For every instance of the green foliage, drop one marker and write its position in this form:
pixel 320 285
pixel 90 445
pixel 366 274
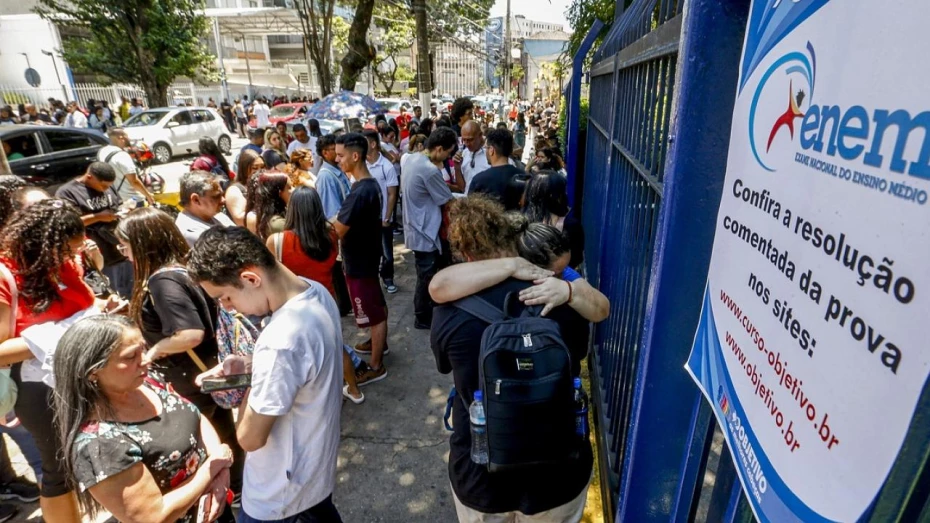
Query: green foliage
pixel 147 42
pixel 448 18
pixel 581 15
pixel 396 36
pixel 563 119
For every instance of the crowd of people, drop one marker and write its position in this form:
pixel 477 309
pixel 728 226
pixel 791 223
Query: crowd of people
pixel 96 115
pixel 119 315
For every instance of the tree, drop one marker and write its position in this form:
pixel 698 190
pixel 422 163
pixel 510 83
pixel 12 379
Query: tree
pixel 581 15
pixel 361 52
pixel 396 38
pixel 146 42
pixel 316 20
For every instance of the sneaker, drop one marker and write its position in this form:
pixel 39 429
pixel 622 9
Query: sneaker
pixel 236 501
pixel 370 375
pixel 390 287
pixel 365 348
pixel 19 490
pixel 421 326
pixel 356 400
pixel 7 511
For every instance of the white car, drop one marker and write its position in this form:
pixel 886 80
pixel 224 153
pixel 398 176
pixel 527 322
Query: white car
pixel 172 131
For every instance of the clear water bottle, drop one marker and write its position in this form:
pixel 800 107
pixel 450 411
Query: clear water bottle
pixel 479 431
pixel 581 411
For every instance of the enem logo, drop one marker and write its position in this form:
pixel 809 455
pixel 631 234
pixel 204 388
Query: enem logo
pixel 799 72
pixel 854 133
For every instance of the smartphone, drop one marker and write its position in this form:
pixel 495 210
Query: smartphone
pixel 119 308
pixel 233 381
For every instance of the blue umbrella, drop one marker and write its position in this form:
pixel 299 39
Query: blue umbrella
pixel 344 104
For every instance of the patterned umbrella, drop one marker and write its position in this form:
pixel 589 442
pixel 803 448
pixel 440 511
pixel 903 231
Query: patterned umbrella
pixel 344 104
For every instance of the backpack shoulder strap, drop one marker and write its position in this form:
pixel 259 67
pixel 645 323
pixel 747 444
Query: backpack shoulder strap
pixel 480 308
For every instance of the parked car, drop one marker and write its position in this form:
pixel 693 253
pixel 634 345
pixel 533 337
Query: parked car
pixel 393 105
pixel 326 126
pixel 284 113
pixel 51 155
pixel 172 131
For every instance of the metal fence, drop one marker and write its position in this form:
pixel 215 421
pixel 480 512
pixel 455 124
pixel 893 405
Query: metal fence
pixel 178 92
pixel 651 187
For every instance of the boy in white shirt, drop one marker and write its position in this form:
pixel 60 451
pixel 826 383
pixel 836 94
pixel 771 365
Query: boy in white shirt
pixel 289 421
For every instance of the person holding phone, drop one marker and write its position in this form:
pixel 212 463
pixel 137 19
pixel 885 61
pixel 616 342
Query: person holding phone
pixel 176 317
pixel 133 446
pixel 289 419
pixel 41 281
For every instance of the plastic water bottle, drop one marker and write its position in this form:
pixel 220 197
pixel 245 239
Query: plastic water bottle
pixel 479 431
pixel 581 410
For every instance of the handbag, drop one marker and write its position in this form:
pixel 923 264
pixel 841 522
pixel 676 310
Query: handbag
pixel 8 388
pixel 235 336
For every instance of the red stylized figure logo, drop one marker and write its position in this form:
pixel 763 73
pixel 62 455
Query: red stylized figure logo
pixel 787 119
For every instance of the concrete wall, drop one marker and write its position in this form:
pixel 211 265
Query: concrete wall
pixel 31 35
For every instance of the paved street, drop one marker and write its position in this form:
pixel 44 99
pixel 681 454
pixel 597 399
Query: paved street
pixel 173 171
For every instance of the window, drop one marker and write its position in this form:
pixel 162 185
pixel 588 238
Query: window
pixel 183 118
pixel 65 141
pixel 20 146
pixel 202 115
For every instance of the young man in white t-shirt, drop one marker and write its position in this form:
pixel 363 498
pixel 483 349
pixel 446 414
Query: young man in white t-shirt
pixel 289 420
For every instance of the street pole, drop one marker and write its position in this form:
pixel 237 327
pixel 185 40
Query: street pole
pixel 507 56
pixel 57 74
pixel 219 55
pixel 423 74
pixel 248 67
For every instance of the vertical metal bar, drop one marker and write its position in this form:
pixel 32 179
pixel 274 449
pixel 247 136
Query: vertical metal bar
pixel 662 406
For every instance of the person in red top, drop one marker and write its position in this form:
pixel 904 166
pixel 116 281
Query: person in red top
pixel 38 250
pixel 403 122
pixel 308 247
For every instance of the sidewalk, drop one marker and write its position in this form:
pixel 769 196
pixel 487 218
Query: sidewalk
pixel 393 460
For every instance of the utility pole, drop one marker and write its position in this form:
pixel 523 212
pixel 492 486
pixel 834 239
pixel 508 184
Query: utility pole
pixel 507 56
pixel 424 86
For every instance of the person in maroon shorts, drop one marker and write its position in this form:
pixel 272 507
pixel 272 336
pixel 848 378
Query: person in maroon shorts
pixel 358 224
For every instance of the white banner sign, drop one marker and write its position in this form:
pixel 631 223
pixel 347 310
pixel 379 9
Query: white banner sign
pixel 813 343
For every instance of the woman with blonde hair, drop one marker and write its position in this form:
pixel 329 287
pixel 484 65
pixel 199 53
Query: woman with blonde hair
pixel 275 152
pixel 299 170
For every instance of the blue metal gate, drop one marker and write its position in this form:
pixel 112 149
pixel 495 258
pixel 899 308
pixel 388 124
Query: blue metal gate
pixel 662 88
pixel 654 166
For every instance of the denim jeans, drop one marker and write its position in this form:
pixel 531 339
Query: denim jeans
pixel 322 512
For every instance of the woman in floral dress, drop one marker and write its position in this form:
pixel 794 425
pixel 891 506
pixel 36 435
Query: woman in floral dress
pixel 132 446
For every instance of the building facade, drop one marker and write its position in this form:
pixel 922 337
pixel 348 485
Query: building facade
pixel 521 28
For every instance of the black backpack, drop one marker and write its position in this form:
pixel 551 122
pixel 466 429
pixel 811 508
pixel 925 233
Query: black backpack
pixel 525 375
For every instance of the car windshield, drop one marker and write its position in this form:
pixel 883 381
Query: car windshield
pixel 282 111
pixel 145 118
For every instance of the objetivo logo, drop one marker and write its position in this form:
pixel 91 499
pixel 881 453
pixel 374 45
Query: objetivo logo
pixel 789 79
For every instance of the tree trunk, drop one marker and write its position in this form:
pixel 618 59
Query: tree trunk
pixel 360 51
pixel 156 94
pixel 317 43
pixel 424 85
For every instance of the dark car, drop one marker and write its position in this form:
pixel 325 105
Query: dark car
pixel 51 155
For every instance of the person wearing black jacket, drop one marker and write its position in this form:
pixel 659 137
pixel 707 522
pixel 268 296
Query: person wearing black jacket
pixel 480 230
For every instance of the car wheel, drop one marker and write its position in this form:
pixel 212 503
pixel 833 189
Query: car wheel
pixel 162 153
pixel 225 144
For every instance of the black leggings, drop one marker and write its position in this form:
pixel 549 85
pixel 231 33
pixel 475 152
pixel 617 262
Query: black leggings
pixel 33 408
